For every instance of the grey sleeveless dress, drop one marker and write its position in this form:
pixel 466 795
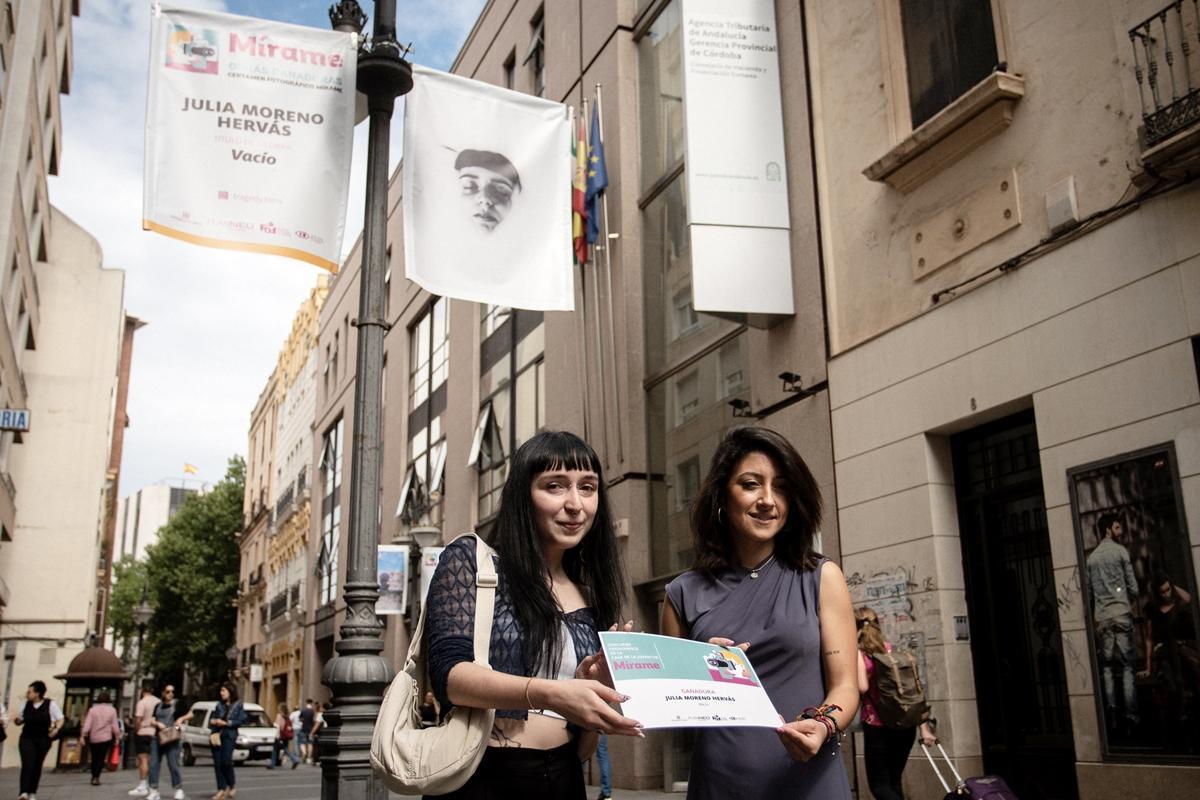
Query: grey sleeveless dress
pixel 777 614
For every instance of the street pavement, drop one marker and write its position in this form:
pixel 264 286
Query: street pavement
pixel 254 782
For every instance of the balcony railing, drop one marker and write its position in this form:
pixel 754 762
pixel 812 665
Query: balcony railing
pixel 1167 67
pixel 279 604
pixel 283 506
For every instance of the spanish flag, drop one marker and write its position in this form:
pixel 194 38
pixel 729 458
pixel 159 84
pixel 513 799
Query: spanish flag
pixel 190 469
pixel 578 190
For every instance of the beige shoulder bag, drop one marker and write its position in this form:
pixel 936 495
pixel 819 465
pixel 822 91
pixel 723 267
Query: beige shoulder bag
pixel 410 759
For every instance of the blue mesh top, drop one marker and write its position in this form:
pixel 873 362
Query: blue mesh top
pixel 450 625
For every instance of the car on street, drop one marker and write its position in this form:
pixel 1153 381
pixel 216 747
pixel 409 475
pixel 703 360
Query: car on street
pixel 255 740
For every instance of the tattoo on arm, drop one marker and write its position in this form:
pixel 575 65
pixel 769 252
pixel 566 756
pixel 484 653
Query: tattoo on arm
pixel 832 652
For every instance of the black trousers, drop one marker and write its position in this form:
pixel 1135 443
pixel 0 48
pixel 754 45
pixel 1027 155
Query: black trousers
pixel 33 752
pixel 99 756
pixel 885 752
pixel 514 773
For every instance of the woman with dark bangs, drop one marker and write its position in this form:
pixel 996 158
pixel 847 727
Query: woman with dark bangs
pixel 560 581
pixel 758 581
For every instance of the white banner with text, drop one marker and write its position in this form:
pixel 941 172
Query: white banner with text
pixel 249 134
pixel 737 196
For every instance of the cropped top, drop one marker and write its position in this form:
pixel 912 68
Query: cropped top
pixel 450 625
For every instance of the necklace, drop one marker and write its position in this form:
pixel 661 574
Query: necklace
pixel 763 565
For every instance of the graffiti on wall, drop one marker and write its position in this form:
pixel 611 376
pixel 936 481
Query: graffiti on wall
pixel 889 592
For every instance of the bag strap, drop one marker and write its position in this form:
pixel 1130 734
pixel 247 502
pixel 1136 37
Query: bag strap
pixel 486 581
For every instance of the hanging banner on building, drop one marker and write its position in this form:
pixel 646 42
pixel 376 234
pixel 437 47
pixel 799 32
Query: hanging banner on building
pixel 393 579
pixel 736 171
pixel 249 127
pixel 487 193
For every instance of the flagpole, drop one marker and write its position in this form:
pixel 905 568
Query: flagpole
pixel 358 675
pixel 596 317
pixel 582 326
pixel 612 336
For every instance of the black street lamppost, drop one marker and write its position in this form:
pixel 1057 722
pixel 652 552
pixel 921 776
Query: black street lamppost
pixel 358 674
pixel 143 612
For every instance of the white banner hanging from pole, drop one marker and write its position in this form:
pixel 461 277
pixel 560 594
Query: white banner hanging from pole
pixel 249 129
pixel 487 193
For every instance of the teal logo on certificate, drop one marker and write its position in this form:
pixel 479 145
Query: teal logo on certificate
pixel 679 683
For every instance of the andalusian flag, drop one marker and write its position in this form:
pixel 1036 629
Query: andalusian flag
pixel 578 188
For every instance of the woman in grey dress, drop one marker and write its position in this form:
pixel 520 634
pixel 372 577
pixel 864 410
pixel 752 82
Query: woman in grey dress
pixel 757 581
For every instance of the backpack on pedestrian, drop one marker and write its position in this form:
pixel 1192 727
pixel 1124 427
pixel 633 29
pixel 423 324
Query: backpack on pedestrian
pixel 899 697
pixel 287 732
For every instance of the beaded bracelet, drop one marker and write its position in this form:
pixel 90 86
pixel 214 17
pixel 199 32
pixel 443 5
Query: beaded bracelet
pixel 824 715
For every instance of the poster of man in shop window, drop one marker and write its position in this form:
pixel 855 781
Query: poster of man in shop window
pixel 486 180
pixel 1139 588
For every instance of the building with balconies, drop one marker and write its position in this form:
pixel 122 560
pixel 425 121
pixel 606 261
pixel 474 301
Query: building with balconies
pixel 274 539
pixel 1012 278
pixel 65 346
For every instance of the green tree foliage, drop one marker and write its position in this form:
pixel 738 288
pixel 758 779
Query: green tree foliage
pixel 129 577
pixel 193 572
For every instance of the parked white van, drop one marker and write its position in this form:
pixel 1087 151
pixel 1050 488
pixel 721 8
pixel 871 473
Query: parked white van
pixel 255 738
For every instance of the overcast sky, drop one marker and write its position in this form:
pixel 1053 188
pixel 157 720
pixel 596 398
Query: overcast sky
pixel 216 320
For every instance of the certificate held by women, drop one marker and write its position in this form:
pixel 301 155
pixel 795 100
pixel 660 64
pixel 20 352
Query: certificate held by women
pixel 679 683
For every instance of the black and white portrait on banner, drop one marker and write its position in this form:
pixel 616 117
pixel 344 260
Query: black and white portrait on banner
pixel 1136 565
pixel 487 193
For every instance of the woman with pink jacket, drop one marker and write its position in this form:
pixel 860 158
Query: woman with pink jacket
pixel 100 728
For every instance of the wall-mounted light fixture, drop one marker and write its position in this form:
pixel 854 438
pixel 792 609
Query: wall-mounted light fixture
pixel 791 382
pixel 741 408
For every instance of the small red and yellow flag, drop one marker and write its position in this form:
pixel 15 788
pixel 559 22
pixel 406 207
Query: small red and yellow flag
pixel 578 197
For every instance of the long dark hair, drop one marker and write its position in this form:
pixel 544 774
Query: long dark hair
pixel 710 526
pixel 594 566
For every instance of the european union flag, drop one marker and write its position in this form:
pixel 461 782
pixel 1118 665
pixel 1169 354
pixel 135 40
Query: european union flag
pixel 597 179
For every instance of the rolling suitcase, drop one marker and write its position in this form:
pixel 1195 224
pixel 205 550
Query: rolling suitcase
pixel 988 787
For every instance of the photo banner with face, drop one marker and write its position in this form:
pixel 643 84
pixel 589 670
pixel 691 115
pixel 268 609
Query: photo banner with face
pixel 487 193
pixel 249 133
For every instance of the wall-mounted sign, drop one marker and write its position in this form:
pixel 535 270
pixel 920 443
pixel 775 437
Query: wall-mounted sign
pixel 14 419
pixel 736 170
pixel 256 673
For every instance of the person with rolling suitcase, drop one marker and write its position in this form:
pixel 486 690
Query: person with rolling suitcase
pixel 893 707
pixel 988 787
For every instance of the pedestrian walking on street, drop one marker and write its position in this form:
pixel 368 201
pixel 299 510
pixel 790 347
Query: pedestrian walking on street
pixel 318 725
pixel 605 766
pixel 227 717
pixel 143 738
pixel 307 715
pixel 560 579
pixel 284 733
pixel 100 728
pixel 41 719
pixel 885 750
pixel 315 736
pixel 294 747
pixel 757 580
pixel 170 715
pixel 3 726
